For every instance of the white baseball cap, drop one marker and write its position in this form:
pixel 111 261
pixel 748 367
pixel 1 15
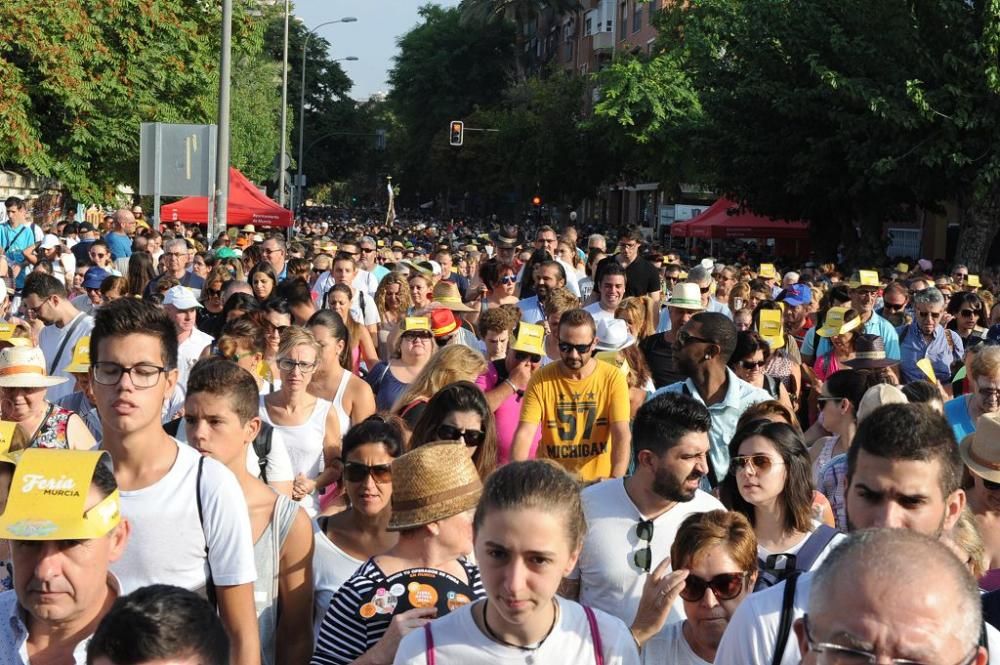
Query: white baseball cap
pixel 181 297
pixel 50 241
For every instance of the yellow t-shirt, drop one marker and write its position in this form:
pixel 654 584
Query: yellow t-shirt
pixel 576 416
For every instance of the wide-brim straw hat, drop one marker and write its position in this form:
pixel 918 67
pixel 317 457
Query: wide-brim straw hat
pixel 431 483
pixel 447 295
pixel 685 295
pixel 981 450
pixel 24 367
pixel 869 353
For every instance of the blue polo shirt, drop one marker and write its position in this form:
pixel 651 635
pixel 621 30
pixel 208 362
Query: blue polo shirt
pixel 725 414
pixel 876 325
pixel 938 350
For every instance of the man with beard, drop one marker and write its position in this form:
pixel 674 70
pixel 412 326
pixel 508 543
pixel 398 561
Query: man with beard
pixel 904 472
pixel 701 351
pixel 631 523
pixel 548 276
pixel 582 405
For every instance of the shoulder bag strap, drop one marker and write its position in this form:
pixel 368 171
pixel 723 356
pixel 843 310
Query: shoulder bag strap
pixel 785 626
pixel 429 644
pixel 595 634
pixel 209 584
pixel 63 342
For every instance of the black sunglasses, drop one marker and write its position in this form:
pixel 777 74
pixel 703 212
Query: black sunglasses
pixel 471 437
pixel 644 558
pixel 990 485
pixel 356 472
pixel 566 347
pixel 893 307
pixel 751 364
pixel 521 356
pixel 684 338
pixel 725 586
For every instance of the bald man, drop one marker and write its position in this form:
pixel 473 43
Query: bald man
pixel 892 593
pixel 120 239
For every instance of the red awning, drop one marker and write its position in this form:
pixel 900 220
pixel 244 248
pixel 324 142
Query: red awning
pixel 723 220
pixel 247 205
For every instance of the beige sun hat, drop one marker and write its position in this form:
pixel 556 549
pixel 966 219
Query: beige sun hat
pixel 24 367
pixel 686 296
pixel 431 483
pixel 981 450
pixel 447 295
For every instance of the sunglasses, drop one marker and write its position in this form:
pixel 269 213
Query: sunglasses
pixel 990 485
pixel 684 338
pixel 760 463
pixel 419 334
pixel 471 437
pixel 643 558
pixel 213 293
pixel 704 289
pixel 751 364
pixel 968 312
pixel 443 341
pixel 356 472
pixel 893 307
pixel 521 356
pixel 725 586
pixel 566 347
pixel 509 279
pixel 933 315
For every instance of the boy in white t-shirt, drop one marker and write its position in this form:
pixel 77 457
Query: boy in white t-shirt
pixel 190 525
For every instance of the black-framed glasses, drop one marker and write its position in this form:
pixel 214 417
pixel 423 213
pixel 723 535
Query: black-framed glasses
pixel 684 338
pixel 417 334
pixel 725 586
pixel 277 329
pixel 269 252
pixel 521 356
pixel 750 365
pixel 990 485
pixel 289 365
pixel 213 293
pixel 759 463
pixel 471 437
pixel 989 394
pixel 143 375
pixel 893 306
pixel 837 654
pixel 443 341
pixel 367 250
pixel 704 289
pixel 933 315
pixel 968 312
pixel 643 558
pixel 356 472
pixel 566 347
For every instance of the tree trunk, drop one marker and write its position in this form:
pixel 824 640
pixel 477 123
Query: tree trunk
pixel 979 228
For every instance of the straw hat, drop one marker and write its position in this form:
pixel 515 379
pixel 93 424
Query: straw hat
pixel 24 367
pixel 613 335
pixel 834 323
pixel 981 450
pixel 432 482
pixel 686 296
pixel 447 295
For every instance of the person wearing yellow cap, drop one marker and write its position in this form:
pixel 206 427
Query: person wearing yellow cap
pixel 81 401
pixel 65 528
pixel 506 381
pixel 864 291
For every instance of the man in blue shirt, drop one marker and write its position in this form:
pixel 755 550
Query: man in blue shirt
pixel 925 337
pixel 864 295
pixel 120 240
pixel 16 236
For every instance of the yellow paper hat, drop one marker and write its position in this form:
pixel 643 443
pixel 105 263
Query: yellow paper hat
pixel 529 338
pixel 48 497
pixel 865 278
pixel 973 281
pixel 834 323
pixel 7 332
pixel 770 328
pixel 80 364
pixel 767 270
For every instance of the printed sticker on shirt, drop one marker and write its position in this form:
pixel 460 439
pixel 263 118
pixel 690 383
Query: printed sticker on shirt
pixel 367 611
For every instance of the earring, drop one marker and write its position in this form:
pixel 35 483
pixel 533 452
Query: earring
pixel 707 356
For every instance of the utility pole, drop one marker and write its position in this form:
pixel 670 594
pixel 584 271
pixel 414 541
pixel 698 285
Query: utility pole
pixel 284 113
pixel 222 151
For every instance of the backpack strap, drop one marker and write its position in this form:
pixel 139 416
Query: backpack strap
pixel 209 584
pixel 262 448
pixel 785 624
pixel 429 644
pixel 595 634
pixel 802 561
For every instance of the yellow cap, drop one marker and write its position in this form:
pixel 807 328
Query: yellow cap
pixel 48 497
pixel 865 278
pixel 834 323
pixel 902 267
pixel 80 364
pixel 7 332
pixel 973 281
pixel 770 328
pixel 415 323
pixel 529 338
pixel 767 270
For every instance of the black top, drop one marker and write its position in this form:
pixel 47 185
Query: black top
pixel 641 277
pixel 81 252
pixel 659 355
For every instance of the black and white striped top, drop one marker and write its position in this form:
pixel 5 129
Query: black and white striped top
pixel 345 635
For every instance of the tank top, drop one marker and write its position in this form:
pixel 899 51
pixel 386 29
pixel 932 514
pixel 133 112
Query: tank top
pixel 267 557
pixel 825 455
pixel 338 403
pixel 52 432
pixel 304 443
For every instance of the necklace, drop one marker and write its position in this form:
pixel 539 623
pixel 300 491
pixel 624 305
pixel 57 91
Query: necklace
pixel 521 647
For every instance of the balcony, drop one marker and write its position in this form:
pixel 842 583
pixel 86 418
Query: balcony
pixel 604 41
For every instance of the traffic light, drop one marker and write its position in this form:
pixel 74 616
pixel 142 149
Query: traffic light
pixel 536 201
pixel 457 134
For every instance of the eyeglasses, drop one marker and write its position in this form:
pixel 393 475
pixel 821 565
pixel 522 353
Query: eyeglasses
pixel 443 341
pixel 97 255
pixel 704 289
pixel 509 279
pixel 933 315
pixel 893 307
pixel 643 558
pixel 990 485
pixel 959 275
pixel 566 347
pixel 471 437
pixel 279 330
pixel 289 365
pixel 521 356
pixel 684 338
pixel 751 364
pixel 143 375
pixel 968 312
pixel 367 250
pixel 268 252
pixel 628 245
pixel 989 394
pixel 236 357
pixel 417 334
pixel 725 586
pixel 176 255
pixel 356 472
pixel 836 654
pixel 213 293
pixel 670 278
pixel 759 463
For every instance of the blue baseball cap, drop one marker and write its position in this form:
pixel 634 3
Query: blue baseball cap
pixel 93 278
pixel 795 295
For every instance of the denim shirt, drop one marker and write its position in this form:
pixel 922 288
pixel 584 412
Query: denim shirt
pixel 914 347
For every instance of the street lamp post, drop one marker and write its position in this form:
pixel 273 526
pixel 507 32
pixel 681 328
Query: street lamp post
pixel 302 96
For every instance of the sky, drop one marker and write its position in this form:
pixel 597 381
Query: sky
pixel 372 39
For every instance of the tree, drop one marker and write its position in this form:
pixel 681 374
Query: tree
pixel 80 77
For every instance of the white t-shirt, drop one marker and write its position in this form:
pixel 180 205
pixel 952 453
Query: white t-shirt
pixel 763 554
pixel 752 633
pixel 49 341
pixel 188 353
pixel 367 281
pixel 363 309
pixel 168 540
pixel 599 313
pixel 279 466
pixel 670 647
pixel 457 640
pixel 609 578
pixel 332 567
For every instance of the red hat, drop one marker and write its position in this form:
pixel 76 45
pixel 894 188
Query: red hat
pixel 443 322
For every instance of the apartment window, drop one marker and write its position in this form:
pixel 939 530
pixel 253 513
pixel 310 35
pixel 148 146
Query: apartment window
pixel 637 17
pixel 623 23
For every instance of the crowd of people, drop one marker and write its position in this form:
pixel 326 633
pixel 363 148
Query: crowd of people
pixel 428 442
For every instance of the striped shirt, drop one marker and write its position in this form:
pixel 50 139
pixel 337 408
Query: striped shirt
pixel 345 635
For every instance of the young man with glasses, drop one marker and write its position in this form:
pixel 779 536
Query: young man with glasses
pixel 190 525
pixel 632 522
pixel 641 277
pixel 895 303
pixel 926 338
pixel 582 405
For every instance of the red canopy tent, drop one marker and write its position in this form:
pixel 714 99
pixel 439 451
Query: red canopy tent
pixel 716 223
pixel 247 205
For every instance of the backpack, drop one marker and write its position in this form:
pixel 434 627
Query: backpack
pixel 261 443
pixel 780 567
